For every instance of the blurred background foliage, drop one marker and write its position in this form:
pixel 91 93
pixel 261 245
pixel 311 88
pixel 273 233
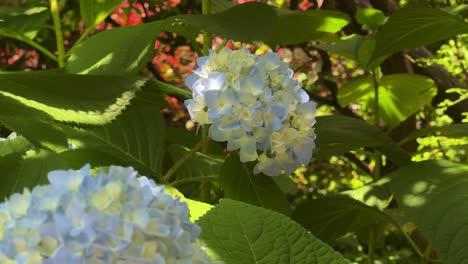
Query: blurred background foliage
pixel 321 74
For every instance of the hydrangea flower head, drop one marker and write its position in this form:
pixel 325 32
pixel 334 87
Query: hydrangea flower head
pixel 254 104
pixel 114 217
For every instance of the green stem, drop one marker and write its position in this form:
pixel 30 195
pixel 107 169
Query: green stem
pixel 81 39
pixel 38 46
pixel 370 249
pixel 207 37
pixel 54 9
pixel 377 155
pixel 170 173
pixel 427 254
pixel 411 242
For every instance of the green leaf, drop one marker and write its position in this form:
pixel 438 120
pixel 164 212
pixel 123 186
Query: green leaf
pixel 28 171
pixel 131 49
pixel 370 17
pixel 136 137
pixel 451 131
pixel 196 209
pixel 87 99
pixel 33 124
pixel 198 166
pixel 332 217
pixel 245 23
pixel 14 145
pixel 297 27
pixel 339 134
pixel 433 194
pixel 414 27
pixel 235 232
pixel 94 12
pixel 19 23
pixel 347 46
pixel 240 183
pixel 400 95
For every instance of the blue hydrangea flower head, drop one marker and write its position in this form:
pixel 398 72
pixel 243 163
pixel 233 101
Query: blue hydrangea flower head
pixel 113 217
pixel 255 105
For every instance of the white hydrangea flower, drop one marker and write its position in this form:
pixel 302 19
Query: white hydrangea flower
pixel 114 217
pixel 254 104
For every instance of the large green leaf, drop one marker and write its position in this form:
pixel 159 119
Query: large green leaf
pixel 136 137
pixel 332 217
pixel 414 27
pixel 339 134
pixel 434 196
pixel 19 172
pixel 33 124
pixel 400 95
pixel 20 23
pixel 76 98
pixel 452 131
pixel 297 27
pixel 116 51
pixel 240 183
pixel 235 232
pixel 94 12
pixel 198 166
pixel 245 23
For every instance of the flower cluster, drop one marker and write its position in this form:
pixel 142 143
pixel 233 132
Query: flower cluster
pixel 254 104
pixel 114 217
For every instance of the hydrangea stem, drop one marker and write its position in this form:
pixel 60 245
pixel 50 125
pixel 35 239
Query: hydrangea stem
pixel 377 155
pixel 54 9
pixel 207 37
pixel 171 172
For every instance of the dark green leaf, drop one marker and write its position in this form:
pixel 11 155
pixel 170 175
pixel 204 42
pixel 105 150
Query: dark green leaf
pixel 33 124
pixel 136 137
pixel 245 23
pixel 27 171
pixel 94 12
pixel 239 183
pixel 400 95
pixel 18 22
pixel 76 98
pixel 236 232
pixel 414 27
pixel 434 196
pixel 297 27
pixel 332 217
pixel 339 134
pixel 370 17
